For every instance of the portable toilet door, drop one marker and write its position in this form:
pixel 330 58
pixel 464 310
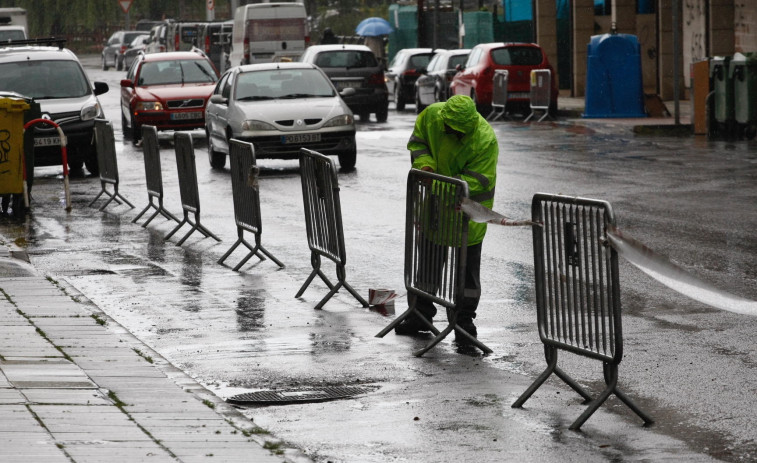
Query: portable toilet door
pixel 614 86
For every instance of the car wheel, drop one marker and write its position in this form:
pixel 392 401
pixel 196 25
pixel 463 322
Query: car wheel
pixel 119 63
pixel 418 106
pixel 482 109
pixel 217 159
pixel 398 99
pixel 365 116
pixel 124 127
pixel 382 113
pixel 105 64
pixel 75 166
pixel 347 158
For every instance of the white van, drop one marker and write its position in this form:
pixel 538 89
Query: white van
pixel 13 24
pixel 265 32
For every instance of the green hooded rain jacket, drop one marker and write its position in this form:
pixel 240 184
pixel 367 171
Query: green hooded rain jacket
pixel 472 158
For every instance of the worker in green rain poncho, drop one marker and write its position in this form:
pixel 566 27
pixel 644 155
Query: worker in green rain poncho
pixel 452 139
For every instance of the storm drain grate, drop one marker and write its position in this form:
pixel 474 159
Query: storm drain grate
pixel 298 395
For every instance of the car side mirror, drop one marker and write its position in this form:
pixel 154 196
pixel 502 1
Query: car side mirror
pixel 100 88
pixel 218 99
pixel 127 83
pixel 459 68
pixel 349 91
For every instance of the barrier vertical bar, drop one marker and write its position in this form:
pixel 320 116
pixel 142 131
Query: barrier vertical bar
pixel 541 93
pixel 577 296
pixel 190 196
pixel 153 176
pixel 436 243
pixel 246 197
pixel 105 142
pixel 323 220
pixel 499 94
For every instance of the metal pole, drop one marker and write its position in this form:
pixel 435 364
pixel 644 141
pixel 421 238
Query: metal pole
pixel 421 25
pixel 676 60
pixel 436 24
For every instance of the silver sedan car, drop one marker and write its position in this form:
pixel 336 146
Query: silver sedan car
pixel 279 108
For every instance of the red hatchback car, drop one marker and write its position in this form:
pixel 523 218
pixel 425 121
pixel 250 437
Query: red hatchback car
pixel 476 77
pixel 167 90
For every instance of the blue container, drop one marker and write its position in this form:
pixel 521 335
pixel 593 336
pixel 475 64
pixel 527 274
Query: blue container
pixel 613 77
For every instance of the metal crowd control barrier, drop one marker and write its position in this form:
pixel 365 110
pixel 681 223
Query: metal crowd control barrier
pixel 323 218
pixel 106 158
pixel 541 93
pixel 190 197
pixel 153 176
pixel 246 201
pixel 436 242
pixel 499 95
pixel 577 292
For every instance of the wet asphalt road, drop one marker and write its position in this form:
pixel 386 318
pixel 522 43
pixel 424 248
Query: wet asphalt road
pixel 689 366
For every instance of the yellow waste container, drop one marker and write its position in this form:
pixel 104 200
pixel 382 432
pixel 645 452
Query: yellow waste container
pixel 12 145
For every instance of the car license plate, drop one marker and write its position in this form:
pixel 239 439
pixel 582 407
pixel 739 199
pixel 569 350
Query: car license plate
pixel 342 84
pixel 47 141
pixel 300 138
pixel 186 116
pixel 518 95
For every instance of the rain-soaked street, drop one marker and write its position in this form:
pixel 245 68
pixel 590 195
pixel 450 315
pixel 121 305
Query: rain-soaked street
pixel 693 368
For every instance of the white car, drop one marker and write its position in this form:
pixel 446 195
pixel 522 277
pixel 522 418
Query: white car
pixel 54 78
pixel 279 108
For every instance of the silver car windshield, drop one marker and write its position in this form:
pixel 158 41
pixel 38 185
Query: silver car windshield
pixel 44 80
pixel 282 84
pixel 188 71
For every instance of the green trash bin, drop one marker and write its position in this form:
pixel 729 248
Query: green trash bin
pixel 743 73
pixel 723 87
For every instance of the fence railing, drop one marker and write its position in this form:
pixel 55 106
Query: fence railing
pixel 436 241
pixel 323 218
pixel 105 143
pixel 190 196
pixel 541 93
pixel 577 292
pixel 246 196
pixel 499 94
pixel 153 176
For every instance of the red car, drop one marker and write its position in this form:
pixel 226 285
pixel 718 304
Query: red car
pixel 475 78
pixel 167 90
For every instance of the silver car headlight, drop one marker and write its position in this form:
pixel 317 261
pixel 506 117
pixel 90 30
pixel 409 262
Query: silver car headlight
pixel 149 106
pixel 338 121
pixel 90 112
pixel 257 125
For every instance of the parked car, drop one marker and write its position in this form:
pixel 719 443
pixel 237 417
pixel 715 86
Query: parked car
pixel 433 85
pixel 475 79
pixel 280 108
pixel 115 47
pixel 136 47
pixel 54 77
pixel 353 66
pixel 168 90
pixel 403 72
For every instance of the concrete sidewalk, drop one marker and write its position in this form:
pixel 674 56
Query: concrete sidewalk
pixel 77 387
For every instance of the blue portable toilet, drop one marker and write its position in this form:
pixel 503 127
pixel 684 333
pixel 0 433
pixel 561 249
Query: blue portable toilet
pixel 613 77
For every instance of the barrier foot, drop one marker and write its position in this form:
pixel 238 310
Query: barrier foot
pixel 573 384
pixel 410 311
pixel 328 296
pixel 270 256
pixel 98 197
pixel 181 224
pixel 648 420
pixel 134 220
pixel 443 334
pixel 231 249
pixel 551 354
pixel 355 294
